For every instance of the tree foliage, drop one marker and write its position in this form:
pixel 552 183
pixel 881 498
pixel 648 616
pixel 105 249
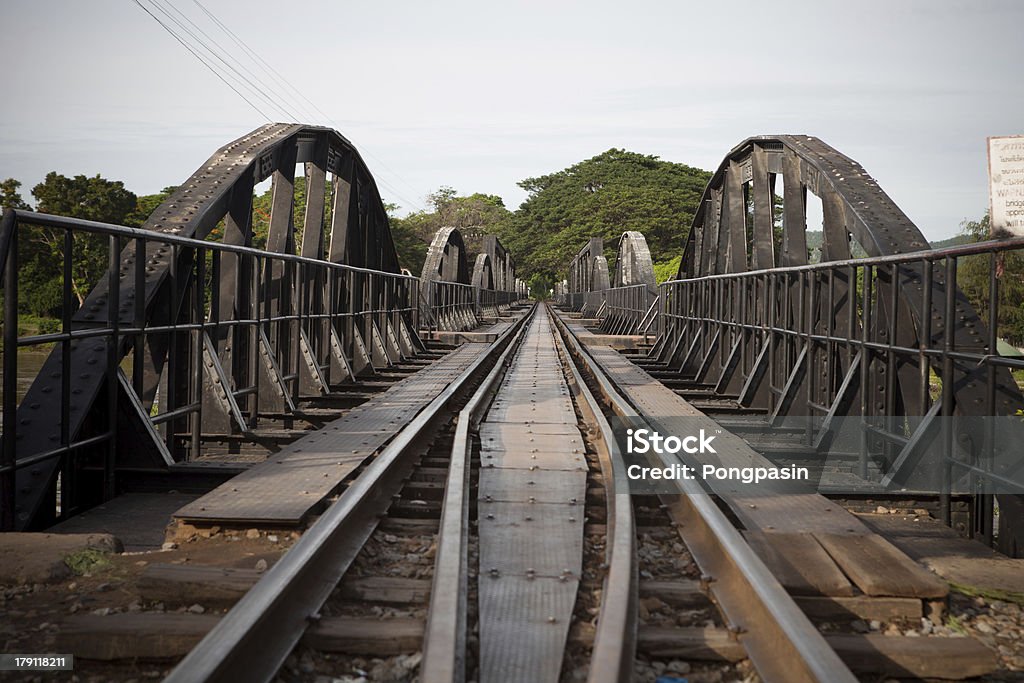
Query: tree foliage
pixel 91 198
pixel 603 197
pixel 10 195
pixel 474 215
pixel 973 279
pixel 666 270
pixel 42 250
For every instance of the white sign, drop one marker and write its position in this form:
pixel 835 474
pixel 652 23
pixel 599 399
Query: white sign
pixel 1006 185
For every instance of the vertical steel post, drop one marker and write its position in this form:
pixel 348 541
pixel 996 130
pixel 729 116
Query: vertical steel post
pixel 8 490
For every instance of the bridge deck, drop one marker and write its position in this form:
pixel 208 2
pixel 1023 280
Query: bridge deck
pixel 283 489
pixel 811 543
pixel 532 488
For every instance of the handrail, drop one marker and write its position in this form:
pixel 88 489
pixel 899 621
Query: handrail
pixel 649 317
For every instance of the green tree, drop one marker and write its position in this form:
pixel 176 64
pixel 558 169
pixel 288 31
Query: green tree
pixel 145 205
pixel 666 270
pixel 540 286
pixel 474 215
pixel 603 197
pixel 10 195
pixel 91 198
pixel 973 278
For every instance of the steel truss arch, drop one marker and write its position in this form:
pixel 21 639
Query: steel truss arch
pixel 749 315
pixel 450 299
pixel 163 285
pixel 447 258
pixel 727 238
pixel 483 273
pixel 633 264
pixel 588 276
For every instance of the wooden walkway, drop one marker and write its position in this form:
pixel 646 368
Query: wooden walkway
pixel 284 489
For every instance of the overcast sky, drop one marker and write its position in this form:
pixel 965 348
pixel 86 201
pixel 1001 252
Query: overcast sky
pixel 479 95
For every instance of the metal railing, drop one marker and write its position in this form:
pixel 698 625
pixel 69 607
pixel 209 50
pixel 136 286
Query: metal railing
pixel 494 303
pixel 631 310
pixel 893 340
pixel 626 308
pixel 231 333
pixel 449 306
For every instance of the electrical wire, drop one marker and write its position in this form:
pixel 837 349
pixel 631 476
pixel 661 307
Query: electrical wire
pixel 237 75
pixel 284 82
pixel 203 61
pixel 278 100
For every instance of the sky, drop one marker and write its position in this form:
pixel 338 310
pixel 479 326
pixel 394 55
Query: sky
pixel 480 95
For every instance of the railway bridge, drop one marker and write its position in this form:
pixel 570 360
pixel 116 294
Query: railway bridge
pixel 325 466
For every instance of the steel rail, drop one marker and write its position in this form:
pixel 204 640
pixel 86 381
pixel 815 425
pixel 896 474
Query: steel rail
pixel 252 641
pixel 614 650
pixel 444 638
pixel 778 637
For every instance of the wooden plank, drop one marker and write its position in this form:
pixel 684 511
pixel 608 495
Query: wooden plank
pixel 860 607
pixel 160 635
pixel 283 489
pixel 680 593
pixel 141 635
pixel 408 525
pixel 385 589
pixel 960 560
pixel 710 644
pixel 799 563
pixel 947 658
pixel 181 584
pixel 780 507
pixel 371 636
pixel 879 568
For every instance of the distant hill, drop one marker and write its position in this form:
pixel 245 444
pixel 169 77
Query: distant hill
pixel 815 238
pixel 951 242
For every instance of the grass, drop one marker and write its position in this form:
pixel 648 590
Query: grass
pixel 32 325
pixel 87 561
pixel 988 593
pixel 953 622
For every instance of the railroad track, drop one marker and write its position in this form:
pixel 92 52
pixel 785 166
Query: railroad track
pixel 489 540
pixel 538 445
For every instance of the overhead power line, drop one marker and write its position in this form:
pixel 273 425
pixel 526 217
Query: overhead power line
pixel 256 91
pixel 215 51
pixel 277 76
pixel 203 61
